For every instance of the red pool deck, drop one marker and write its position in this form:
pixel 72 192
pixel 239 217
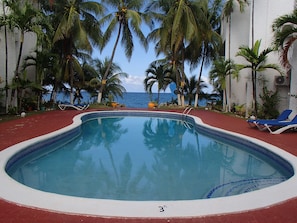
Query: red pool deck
pixel 21 129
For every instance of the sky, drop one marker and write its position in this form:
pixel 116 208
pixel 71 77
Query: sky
pixel 139 62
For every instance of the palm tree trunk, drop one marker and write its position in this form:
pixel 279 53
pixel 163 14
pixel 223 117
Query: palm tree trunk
pixel 20 53
pixel 253 22
pixel 6 60
pixel 113 166
pixel 198 82
pixel 177 82
pixel 224 99
pixel 103 83
pixel 158 97
pixel 18 91
pixel 254 93
pixel 71 73
pixel 183 76
pixel 254 72
pixel 229 58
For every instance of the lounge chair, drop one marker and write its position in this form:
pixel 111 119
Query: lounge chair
pixel 74 106
pixel 260 122
pixel 281 126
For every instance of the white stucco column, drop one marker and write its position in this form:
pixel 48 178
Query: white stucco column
pixel 292 56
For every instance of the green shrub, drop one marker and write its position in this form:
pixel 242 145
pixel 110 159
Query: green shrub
pixel 268 109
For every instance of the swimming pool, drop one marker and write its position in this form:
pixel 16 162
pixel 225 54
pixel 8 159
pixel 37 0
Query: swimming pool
pixel 160 208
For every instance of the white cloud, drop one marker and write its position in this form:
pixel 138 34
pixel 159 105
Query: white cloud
pixel 134 83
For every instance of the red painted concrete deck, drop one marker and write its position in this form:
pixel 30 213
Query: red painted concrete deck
pixel 22 129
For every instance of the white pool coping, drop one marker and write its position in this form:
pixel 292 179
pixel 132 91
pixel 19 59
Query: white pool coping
pixel 20 194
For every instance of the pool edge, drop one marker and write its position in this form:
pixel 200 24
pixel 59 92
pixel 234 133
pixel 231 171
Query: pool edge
pixel 157 209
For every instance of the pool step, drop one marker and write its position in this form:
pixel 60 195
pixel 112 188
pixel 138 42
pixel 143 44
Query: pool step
pixel 243 186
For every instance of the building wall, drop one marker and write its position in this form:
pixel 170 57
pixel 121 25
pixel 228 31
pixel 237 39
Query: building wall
pixel 265 12
pixel 13 44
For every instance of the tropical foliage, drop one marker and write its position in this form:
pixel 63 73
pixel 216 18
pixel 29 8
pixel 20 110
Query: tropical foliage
pixel 178 28
pixel 113 87
pixel 125 21
pixel 25 18
pixel 159 74
pixel 227 12
pixel 194 87
pixel 285 31
pixel 256 63
pixel 77 30
pixel 218 74
pixel 206 47
pixel 183 32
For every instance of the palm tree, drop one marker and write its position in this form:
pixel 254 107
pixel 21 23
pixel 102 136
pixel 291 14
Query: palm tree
pixel 257 63
pixel 41 61
pixel 157 73
pixel 220 70
pixel 78 29
pixel 192 87
pixel 178 27
pixel 227 13
pixel 285 32
pixel 113 86
pixel 52 72
pixel 205 48
pixel 22 83
pixel 125 21
pixel 25 18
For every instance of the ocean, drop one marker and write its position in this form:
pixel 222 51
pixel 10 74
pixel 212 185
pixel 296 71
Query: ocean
pixel 130 99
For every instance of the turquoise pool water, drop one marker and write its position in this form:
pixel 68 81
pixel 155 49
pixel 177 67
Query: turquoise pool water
pixel 146 158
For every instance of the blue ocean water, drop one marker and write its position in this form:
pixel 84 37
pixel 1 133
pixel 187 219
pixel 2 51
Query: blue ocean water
pixel 130 99
pixel 140 100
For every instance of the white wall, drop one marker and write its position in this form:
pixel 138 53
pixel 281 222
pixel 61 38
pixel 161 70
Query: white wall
pixel 265 12
pixel 13 43
pixel 292 55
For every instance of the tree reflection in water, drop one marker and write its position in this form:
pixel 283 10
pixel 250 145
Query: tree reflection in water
pixel 138 158
pixel 194 169
pixel 181 169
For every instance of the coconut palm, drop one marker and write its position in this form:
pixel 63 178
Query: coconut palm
pixel 206 46
pixel 184 29
pixel 125 21
pixel 218 74
pixel 228 9
pixel 113 87
pixel 157 73
pixel 78 29
pixel 285 32
pixel 178 27
pixel 25 18
pixel 257 63
pixel 41 60
pixel 21 83
pixel 192 87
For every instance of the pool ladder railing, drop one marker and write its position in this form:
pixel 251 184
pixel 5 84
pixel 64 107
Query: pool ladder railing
pixel 186 111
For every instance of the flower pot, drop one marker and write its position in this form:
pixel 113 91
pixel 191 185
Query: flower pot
pixel 152 105
pixel 114 104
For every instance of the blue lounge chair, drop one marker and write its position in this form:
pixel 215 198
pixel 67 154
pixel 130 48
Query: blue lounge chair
pixel 260 122
pixel 281 126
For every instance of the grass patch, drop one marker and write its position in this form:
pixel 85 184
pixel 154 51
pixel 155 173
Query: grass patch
pixel 10 117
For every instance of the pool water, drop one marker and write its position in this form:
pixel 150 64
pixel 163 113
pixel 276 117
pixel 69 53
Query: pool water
pixel 146 159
